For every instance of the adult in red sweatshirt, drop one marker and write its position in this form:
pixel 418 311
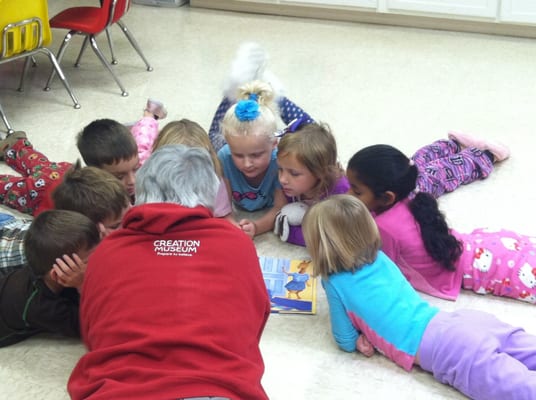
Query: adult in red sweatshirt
pixel 173 305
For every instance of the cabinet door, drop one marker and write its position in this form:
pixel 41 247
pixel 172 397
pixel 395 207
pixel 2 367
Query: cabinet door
pixel 477 8
pixel 354 3
pixel 518 11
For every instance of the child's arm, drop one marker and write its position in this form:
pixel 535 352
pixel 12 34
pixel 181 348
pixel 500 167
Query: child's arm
pixel 225 190
pixel 344 332
pixel 266 222
pixel 223 207
pixel 70 271
pixel 228 190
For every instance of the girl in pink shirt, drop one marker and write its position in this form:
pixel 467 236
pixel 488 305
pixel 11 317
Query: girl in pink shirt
pixel 191 134
pixel 435 258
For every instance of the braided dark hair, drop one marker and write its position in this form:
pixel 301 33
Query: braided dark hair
pixel 384 168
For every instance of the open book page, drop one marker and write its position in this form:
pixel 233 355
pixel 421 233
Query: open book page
pixel 290 285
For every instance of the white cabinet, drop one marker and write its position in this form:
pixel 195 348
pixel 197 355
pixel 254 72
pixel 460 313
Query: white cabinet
pixel 504 17
pixel 518 11
pixel 473 8
pixel 350 3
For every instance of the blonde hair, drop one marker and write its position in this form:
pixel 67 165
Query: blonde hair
pixel 264 124
pixel 188 133
pixel 315 147
pixel 340 235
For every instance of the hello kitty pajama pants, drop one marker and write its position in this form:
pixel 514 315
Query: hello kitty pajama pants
pixel 443 167
pixel 288 111
pixel 500 262
pixel 481 356
pixel 39 177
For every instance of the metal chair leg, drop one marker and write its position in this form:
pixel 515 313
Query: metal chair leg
pixel 86 41
pixel 6 122
pixel 59 57
pixel 82 49
pixel 110 43
pixel 59 71
pixel 105 62
pixel 134 43
pixel 24 72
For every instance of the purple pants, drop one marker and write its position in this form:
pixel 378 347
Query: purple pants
pixel 481 356
pixel 443 167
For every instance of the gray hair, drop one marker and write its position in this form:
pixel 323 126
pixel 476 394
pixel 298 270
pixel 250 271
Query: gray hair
pixel 178 174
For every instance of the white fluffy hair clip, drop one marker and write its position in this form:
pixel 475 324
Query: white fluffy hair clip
pixel 249 65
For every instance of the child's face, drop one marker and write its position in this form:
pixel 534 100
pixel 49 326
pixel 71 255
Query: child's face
pixel 125 171
pixel 363 192
pixel 251 154
pixel 111 224
pixel 295 178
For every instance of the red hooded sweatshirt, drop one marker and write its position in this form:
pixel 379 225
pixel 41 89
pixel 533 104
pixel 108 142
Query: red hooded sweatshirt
pixel 173 305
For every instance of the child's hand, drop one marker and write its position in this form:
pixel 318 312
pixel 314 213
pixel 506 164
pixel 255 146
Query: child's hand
pixel 364 346
pixel 248 227
pixel 70 271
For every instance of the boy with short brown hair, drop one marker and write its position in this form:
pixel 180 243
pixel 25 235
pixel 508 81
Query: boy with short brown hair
pixel 43 296
pixel 88 190
pixel 109 145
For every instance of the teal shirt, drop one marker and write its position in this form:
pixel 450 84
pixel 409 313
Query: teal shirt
pixel 378 301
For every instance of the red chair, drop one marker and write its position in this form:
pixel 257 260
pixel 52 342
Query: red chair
pixel 90 22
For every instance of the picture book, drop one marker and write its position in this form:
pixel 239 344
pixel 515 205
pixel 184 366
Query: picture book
pixel 290 285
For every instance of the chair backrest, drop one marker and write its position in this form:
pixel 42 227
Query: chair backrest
pixel 24 26
pixel 116 9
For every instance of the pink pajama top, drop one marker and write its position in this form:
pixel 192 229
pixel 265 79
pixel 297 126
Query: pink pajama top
pixel 402 242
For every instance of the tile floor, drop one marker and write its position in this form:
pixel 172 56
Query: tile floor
pixel 372 84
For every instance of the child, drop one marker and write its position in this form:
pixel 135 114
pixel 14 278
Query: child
pixel 249 157
pixel 308 172
pixel 90 191
pixel 371 306
pixel 29 193
pixel 43 296
pixel 97 194
pixel 250 65
pixel 435 259
pixel 145 130
pixel 109 145
pixel 444 165
pixel 191 134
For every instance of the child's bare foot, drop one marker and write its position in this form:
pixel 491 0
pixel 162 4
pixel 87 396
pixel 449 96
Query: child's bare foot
pixel 155 109
pixel 500 151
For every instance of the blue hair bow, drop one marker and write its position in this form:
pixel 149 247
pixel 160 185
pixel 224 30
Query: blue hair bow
pixel 247 110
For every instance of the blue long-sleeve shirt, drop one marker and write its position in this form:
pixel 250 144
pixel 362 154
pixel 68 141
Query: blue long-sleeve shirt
pixel 378 301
